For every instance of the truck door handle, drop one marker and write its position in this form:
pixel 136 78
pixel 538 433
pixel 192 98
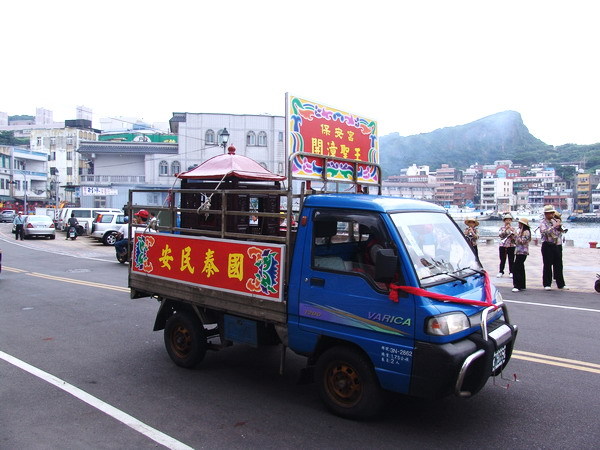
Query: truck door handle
pixel 317 282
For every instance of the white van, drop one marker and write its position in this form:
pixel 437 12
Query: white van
pixel 84 216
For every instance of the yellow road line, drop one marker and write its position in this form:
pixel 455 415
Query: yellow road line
pixel 555 358
pixel 556 361
pixel 67 280
pixel 80 282
pixel 12 269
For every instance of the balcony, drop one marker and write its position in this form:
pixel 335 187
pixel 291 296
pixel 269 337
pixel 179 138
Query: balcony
pixel 112 179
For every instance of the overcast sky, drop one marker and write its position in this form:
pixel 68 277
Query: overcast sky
pixel 414 66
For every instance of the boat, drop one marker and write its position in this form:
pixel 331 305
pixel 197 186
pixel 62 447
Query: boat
pixel 584 217
pixel 461 214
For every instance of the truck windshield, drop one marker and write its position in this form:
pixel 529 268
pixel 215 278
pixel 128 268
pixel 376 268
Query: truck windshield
pixel 437 248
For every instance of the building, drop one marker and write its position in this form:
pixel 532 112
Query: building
pixel 259 137
pixel 583 192
pixel 145 160
pixel 22 128
pixel 497 194
pixel 23 177
pixel 117 167
pixel 446 177
pixel 64 162
pixel 417 190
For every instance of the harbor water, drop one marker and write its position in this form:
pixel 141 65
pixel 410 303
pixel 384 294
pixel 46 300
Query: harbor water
pixel 581 233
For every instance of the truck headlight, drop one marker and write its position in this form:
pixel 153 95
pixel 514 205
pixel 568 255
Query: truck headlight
pixel 447 324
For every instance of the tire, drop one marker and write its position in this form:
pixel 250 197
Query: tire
pixel 122 257
pixel 109 238
pixel 185 340
pixel 347 383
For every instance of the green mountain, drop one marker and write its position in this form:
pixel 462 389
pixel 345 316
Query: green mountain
pixel 496 137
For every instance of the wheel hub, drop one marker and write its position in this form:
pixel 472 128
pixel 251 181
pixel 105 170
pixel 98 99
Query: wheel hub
pixel 344 382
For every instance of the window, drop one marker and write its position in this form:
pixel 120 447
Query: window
pixel 175 167
pixel 69 171
pixel 280 137
pixel 52 141
pixel 39 141
pixel 69 140
pixel 69 156
pixel 348 241
pixel 100 202
pixel 163 168
pixel 251 138
pixel 262 139
pixel 209 137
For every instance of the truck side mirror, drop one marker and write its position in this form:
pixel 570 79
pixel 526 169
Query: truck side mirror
pixel 386 265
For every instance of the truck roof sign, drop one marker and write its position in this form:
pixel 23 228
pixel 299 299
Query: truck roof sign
pixel 329 144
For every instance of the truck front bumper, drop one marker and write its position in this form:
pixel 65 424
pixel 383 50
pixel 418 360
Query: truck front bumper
pixel 461 367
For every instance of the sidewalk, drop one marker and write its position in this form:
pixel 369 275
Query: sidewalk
pixel 580 266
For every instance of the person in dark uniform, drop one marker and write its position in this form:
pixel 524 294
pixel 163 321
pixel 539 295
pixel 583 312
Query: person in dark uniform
pixel 550 230
pixel 18 222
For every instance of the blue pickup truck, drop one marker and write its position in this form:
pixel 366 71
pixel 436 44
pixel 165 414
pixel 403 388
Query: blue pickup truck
pixel 378 293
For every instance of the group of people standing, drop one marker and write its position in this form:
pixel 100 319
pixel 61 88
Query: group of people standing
pixel 514 248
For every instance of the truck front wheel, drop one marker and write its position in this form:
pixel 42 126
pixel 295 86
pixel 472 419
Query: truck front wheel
pixel 185 340
pixel 347 383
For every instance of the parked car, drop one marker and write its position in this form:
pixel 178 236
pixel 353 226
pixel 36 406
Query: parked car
pixel 8 215
pixel 105 226
pixel 84 216
pixel 38 226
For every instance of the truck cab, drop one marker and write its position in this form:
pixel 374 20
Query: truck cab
pixel 340 296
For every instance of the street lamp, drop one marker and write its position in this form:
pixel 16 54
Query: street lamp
pixel 224 139
pixel 24 191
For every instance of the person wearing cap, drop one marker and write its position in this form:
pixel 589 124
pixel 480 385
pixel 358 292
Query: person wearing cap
pixel 18 222
pixel 550 231
pixel 142 223
pixel 506 249
pixel 471 233
pixel 122 237
pixel 142 216
pixel 522 240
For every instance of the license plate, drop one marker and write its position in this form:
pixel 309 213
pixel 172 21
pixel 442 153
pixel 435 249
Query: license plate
pixel 499 358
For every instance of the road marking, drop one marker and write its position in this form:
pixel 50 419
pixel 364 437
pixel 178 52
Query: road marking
pixel 68 280
pixel 56 251
pixel 553 306
pixel 81 282
pixel 130 421
pixel 556 361
pixel 12 269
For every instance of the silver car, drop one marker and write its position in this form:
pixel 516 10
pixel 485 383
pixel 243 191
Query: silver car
pixel 38 226
pixel 105 227
pixel 8 215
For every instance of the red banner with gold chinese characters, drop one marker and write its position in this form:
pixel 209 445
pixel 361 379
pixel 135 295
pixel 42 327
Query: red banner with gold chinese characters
pixel 249 268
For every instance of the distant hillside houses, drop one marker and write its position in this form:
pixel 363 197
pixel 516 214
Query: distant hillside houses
pixel 501 186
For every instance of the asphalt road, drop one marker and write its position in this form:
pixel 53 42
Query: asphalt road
pixel 80 367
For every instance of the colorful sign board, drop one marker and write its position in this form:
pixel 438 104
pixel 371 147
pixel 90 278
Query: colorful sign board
pixel 254 269
pixel 344 145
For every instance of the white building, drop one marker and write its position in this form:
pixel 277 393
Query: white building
pixel 259 137
pixel 23 175
pixel 59 146
pixel 120 166
pixel 497 193
pixel 23 128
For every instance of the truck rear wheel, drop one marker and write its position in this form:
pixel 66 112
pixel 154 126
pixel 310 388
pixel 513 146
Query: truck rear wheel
pixel 347 383
pixel 185 340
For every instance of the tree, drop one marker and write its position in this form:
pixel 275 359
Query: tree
pixel 8 138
